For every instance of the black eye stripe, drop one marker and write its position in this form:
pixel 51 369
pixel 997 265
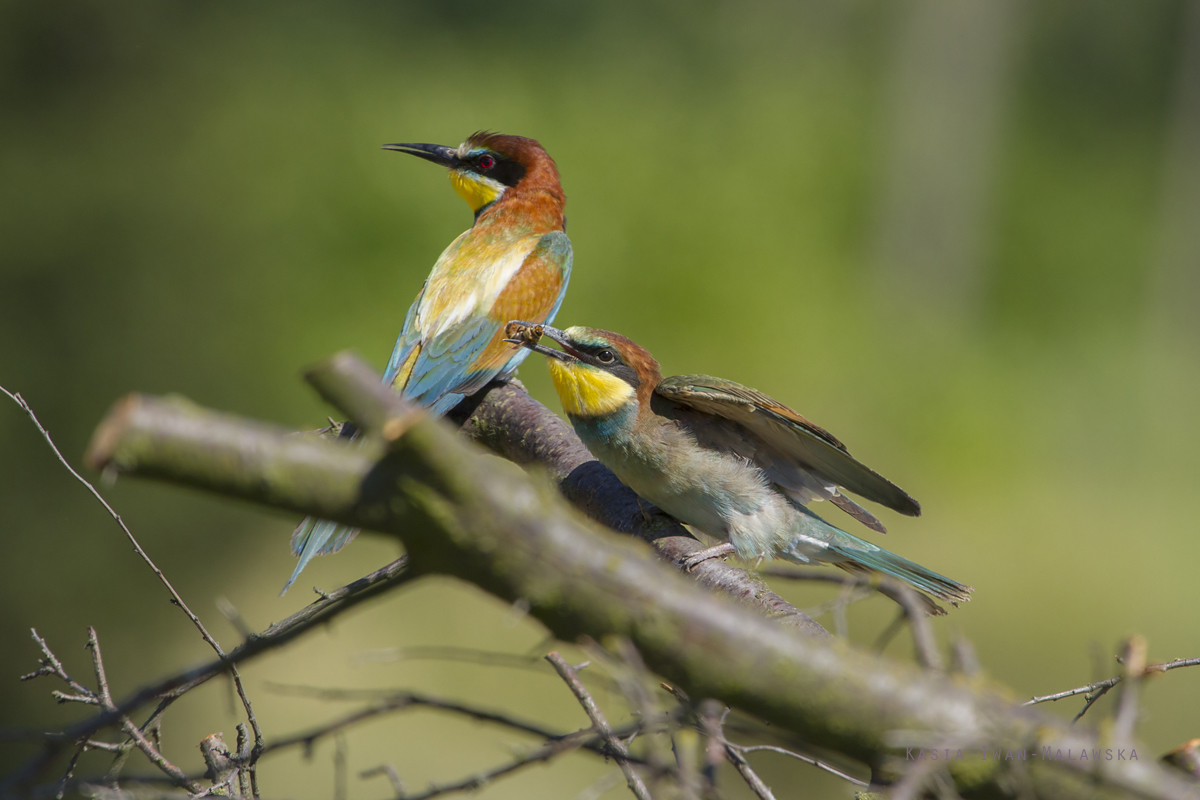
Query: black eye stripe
pixel 502 169
pixel 596 350
pixel 616 366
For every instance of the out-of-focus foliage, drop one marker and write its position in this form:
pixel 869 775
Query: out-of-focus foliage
pixel 192 200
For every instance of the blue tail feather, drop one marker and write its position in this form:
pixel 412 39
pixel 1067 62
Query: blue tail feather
pixel 316 537
pixel 864 556
pixel 853 554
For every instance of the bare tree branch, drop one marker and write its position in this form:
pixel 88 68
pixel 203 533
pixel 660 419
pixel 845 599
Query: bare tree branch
pixel 1094 691
pixel 490 658
pixel 506 420
pixel 821 765
pixel 1134 660
pixel 756 784
pixel 399 701
pixel 176 598
pixel 882 584
pixel 600 723
pixel 922 632
pixel 606 781
pixel 545 753
pixel 101 697
pixel 458 515
pixel 312 616
pixel 392 775
pixel 712 718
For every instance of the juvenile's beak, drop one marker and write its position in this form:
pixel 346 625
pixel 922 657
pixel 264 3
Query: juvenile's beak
pixel 520 333
pixel 439 154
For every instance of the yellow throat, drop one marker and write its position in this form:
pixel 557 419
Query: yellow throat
pixel 586 391
pixel 476 190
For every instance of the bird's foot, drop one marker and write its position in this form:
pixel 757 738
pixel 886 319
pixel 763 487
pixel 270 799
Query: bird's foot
pixel 719 551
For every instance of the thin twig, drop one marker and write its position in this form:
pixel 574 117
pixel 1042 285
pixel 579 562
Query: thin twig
pixel 683 743
pixel 339 768
pixel 70 772
pixel 176 598
pixel 217 789
pixel 581 585
pixel 885 637
pixel 848 596
pixel 101 697
pixel 392 775
pixel 756 784
pixel 883 585
pixel 770 748
pixel 600 722
pixel 544 753
pixel 231 613
pixel 713 725
pixel 170 688
pixel 963 658
pixel 1134 661
pixel 924 644
pixel 50 665
pixel 93 645
pixel 132 730
pixel 399 701
pixel 1091 687
pixel 607 781
pixel 1094 691
pixel 637 684
pixel 243 760
pixel 712 721
pixel 711 717
pixel 469 655
pixel 89 781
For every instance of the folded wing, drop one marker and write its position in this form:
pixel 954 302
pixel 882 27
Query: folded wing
pixel 806 461
pixel 452 342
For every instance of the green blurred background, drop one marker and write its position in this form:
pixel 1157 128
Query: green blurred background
pixel 961 236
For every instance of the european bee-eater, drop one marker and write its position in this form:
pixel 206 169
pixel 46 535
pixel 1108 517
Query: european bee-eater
pixel 515 261
pixel 722 457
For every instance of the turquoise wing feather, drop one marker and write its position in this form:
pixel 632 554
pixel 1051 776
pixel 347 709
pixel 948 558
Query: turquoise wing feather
pixel 457 361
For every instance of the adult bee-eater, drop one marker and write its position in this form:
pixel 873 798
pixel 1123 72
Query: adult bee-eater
pixel 515 261
pixel 722 457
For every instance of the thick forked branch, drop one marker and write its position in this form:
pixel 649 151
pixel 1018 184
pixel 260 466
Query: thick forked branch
pixel 518 540
pixel 505 419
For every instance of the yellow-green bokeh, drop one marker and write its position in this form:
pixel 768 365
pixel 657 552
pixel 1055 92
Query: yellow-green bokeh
pixel 193 200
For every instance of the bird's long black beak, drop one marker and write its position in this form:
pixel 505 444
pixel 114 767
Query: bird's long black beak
pixel 527 334
pixel 439 154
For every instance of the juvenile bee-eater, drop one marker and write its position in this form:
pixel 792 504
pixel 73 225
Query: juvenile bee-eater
pixel 515 261
pixel 722 457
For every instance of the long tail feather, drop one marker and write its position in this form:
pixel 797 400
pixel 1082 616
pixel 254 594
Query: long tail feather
pixel 861 556
pixel 814 539
pixel 316 537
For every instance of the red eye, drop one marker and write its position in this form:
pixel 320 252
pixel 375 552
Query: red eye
pixel 486 162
